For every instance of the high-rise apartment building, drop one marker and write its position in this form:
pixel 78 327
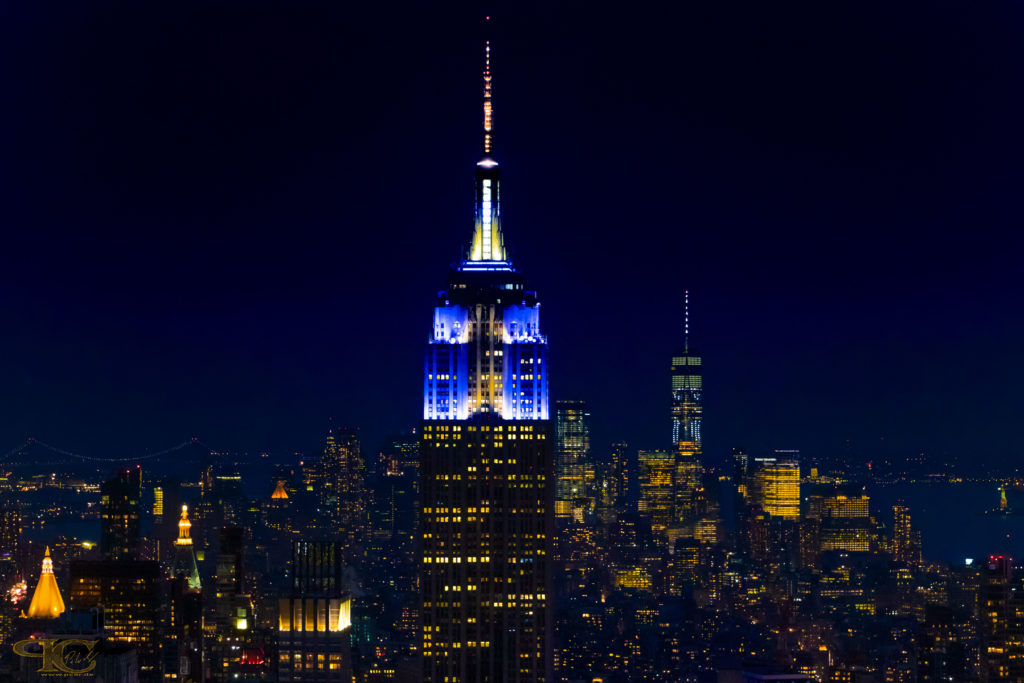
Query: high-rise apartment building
pixel 120 498
pixel 486 467
pixel 573 468
pixel 906 541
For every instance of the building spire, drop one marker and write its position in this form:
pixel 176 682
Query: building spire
pixel 184 558
pixel 686 323
pixel 46 601
pixel 184 527
pixel 488 104
pixel 488 243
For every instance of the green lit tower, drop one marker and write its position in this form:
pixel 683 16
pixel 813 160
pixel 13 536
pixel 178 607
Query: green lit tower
pixel 486 467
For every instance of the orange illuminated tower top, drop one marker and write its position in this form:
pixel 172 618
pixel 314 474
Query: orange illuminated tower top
pixel 46 601
pixel 184 558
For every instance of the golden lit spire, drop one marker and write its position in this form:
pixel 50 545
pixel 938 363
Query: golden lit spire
pixel 488 243
pixel 46 601
pixel 184 526
pixel 279 492
pixel 184 558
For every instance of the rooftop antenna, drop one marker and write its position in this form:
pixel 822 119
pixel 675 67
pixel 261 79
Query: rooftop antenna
pixel 488 106
pixel 686 323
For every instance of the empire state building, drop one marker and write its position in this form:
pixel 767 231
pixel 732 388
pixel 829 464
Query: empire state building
pixel 486 464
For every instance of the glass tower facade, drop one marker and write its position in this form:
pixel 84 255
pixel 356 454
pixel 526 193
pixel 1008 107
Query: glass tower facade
pixel 486 467
pixel 687 414
pixel 573 468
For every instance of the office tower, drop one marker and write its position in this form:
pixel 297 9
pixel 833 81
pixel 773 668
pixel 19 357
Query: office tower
pixel 486 467
pixel 687 413
pixel 314 617
pixel 158 504
pixel 166 506
pixel 657 469
pixel 620 466
pixel 400 462
pixel 777 484
pixel 233 654
pixel 572 456
pixel 47 602
pixel 184 554
pixel 1001 613
pixel 120 497
pixel 128 591
pixel 836 520
pixel 184 629
pixel 276 510
pixel 342 494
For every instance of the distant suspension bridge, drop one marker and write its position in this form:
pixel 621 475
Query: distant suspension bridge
pixel 32 441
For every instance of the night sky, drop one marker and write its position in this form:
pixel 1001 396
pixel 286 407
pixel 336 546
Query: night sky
pixel 229 220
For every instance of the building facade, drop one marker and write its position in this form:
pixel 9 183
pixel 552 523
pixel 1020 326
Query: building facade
pixel 315 617
pixel 687 415
pixel 486 463
pixel 574 471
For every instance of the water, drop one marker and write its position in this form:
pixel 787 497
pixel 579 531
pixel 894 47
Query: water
pixel 952 521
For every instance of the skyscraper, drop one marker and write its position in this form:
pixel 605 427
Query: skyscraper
pixel 120 497
pixel 342 493
pixel 906 541
pixel 687 413
pixel 656 472
pixel 486 466
pixel 128 591
pixel 314 618
pixel 182 647
pixel 572 456
pixel 778 483
pixel 1001 610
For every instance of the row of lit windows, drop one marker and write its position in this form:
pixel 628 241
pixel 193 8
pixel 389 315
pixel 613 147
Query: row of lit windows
pixel 454 560
pixel 482 428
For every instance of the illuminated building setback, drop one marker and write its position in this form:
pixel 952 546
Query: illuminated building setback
pixel 486 463
pixel 314 617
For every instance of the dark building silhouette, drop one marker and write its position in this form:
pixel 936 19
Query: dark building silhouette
pixel 128 592
pixel 120 499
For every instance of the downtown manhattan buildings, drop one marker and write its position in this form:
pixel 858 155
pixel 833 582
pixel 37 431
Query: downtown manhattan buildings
pixel 496 541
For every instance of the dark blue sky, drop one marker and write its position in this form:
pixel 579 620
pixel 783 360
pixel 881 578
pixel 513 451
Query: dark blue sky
pixel 228 219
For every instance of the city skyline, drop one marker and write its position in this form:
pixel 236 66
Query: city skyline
pixel 749 455
pixel 138 320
